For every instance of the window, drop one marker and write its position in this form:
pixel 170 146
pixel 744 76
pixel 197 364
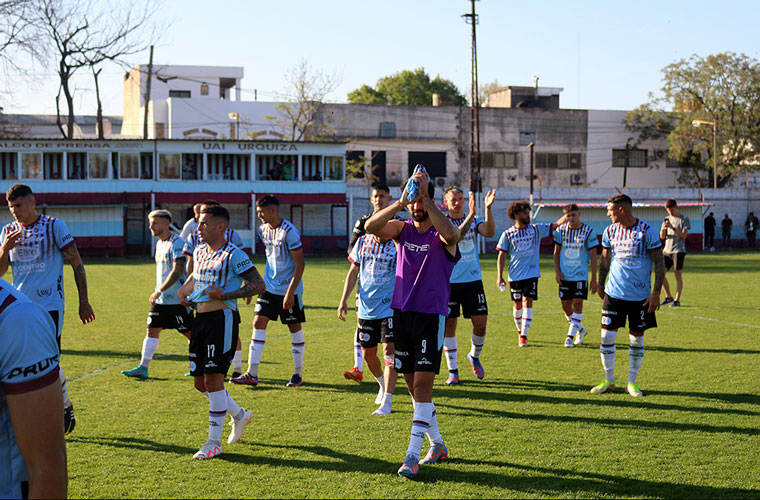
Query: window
pixel 31 165
pixel 146 165
pixel 552 161
pixel 498 160
pixel 8 167
pixel 355 162
pixel 192 164
pixel 53 163
pixel 637 158
pixel 671 163
pixel 129 165
pixel 312 167
pixel 276 167
pixel 434 162
pixel 98 165
pixel 229 167
pixel 184 94
pixel 333 168
pixel 76 165
pixel 388 130
pixel 168 166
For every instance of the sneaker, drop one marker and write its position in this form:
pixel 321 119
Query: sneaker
pixel 354 374
pixel 569 342
pixel 523 342
pixel 633 390
pixel 667 300
pixel 605 386
pixel 138 371
pixel 579 336
pixel 436 453
pixel 410 468
pixel 69 420
pixel 245 379
pixel 453 378
pixel 188 374
pixel 477 368
pixel 676 303
pixel 383 410
pixel 295 381
pixel 208 450
pixel 238 426
pixel 236 375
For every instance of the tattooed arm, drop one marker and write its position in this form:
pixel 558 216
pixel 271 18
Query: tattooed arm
pixel 653 302
pixel 254 285
pixel 71 254
pixel 604 269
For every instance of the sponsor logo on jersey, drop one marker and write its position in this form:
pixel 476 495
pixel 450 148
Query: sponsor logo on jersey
pixel 33 369
pixel 417 248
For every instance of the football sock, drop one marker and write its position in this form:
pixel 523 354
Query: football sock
pixel 635 357
pixel 358 359
pixel 64 387
pixel 233 409
pixel 385 407
pixel 381 382
pixel 527 317
pixel 423 413
pixel 433 433
pixel 579 318
pixel 237 361
pixel 217 411
pixel 575 324
pixel 517 315
pixel 568 318
pixel 477 342
pixel 150 345
pixel 254 353
pixel 298 344
pixel 450 349
pixel 607 350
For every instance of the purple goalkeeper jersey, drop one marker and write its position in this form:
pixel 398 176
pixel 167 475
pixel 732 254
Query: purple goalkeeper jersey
pixel 423 270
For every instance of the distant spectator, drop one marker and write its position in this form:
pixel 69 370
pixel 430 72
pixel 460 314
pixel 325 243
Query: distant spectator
pixel 726 225
pixel 710 232
pixel 750 229
pixel 674 230
pixel 192 224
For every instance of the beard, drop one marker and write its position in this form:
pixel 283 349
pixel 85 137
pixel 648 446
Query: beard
pixel 420 218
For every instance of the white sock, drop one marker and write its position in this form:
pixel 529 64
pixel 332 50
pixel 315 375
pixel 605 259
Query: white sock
pixel 237 361
pixel 64 387
pixel 423 414
pixel 635 357
pixel 233 409
pixel 517 316
pixel 298 344
pixel 254 352
pixel 217 411
pixel 575 324
pixel 150 345
pixel 433 433
pixel 450 349
pixel 358 359
pixel 381 382
pixel 579 318
pixel 527 317
pixel 477 342
pixel 387 400
pixel 607 350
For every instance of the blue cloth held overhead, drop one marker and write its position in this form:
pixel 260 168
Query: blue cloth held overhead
pixel 413 187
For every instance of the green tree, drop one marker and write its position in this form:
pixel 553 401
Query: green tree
pixel 722 88
pixel 406 88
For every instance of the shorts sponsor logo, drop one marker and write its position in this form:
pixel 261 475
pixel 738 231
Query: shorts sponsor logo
pixel 609 313
pixel 262 301
pixel 402 353
pixel 258 308
pixel 424 361
pixel 211 364
pixel 606 320
pixel 517 295
pixel 398 363
pixel 364 337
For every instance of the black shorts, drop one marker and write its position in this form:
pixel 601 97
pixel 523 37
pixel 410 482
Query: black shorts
pixel 213 341
pixel 615 312
pixel 58 322
pixel 270 305
pixel 670 258
pixel 570 290
pixel 373 331
pixel 419 341
pixel 470 296
pixel 524 288
pixel 170 317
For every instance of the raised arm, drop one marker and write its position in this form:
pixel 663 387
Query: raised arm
pixel 71 254
pixel 178 269
pixel 381 223
pixel 467 222
pixel 554 225
pixel 488 229
pixel 348 287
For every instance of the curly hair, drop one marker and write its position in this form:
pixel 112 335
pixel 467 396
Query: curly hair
pixel 516 207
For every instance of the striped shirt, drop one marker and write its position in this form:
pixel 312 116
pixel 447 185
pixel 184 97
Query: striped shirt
pixel 37 261
pixel 377 268
pixel 574 252
pixel 630 275
pixel 222 268
pixel 522 245
pixel 279 242
pixel 468 268
pixel 167 252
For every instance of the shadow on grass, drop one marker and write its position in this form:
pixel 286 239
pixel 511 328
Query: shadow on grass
pixel 701 350
pixel 119 354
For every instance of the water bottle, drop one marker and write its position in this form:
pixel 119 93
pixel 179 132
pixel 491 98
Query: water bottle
pixel 502 287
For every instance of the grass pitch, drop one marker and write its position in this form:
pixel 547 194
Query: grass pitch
pixel 529 429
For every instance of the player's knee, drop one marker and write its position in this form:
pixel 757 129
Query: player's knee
pixel 200 385
pixel 608 337
pixel 637 341
pixel 390 360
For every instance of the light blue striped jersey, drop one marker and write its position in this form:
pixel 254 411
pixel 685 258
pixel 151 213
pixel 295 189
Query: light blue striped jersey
pixel 523 246
pixel 468 268
pixel 279 242
pixel 37 261
pixel 574 252
pixel 167 252
pixel 377 276
pixel 222 268
pixel 630 275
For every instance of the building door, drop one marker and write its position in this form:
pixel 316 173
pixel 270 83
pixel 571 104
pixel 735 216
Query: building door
pixel 378 167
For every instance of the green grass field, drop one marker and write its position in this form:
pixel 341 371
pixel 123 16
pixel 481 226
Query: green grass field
pixel 529 429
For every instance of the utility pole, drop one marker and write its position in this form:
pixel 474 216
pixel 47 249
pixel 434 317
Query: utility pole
pixel 530 146
pixel 625 165
pixel 147 93
pixel 476 185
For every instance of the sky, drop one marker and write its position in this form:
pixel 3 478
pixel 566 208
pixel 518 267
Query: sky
pixel 604 54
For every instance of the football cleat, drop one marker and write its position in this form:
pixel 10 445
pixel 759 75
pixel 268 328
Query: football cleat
pixel 354 374
pixel 523 342
pixel 238 426
pixel 295 381
pixel 245 379
pixel 633 390
pixel 453 378
pixel 69 420
pixel 208 450
pixel 667 300
pixel 605 386
pixel 676 303
pixel 436 453
pixel 579 336
pixel 236 374
pixel 410 468
pixel 569 342
pixel 138 371
pixel 477 367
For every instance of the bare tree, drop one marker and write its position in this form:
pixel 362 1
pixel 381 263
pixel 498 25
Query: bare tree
pixel 16 31
pixel 303 102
